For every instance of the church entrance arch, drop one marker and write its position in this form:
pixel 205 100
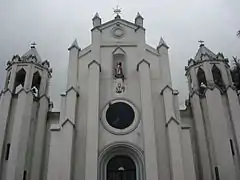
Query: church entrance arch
pixel 121 167
pixel 121 161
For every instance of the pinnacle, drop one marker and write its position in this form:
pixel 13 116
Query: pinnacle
pixel 139 15
pixel 162 43
pixel 74 44
pixel 96 15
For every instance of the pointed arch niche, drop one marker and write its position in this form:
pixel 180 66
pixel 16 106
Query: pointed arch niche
pixel 217 76
pixel 202 82
pixel 119 63
pixel 19 80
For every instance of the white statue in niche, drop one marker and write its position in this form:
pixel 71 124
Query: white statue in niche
pixel 119 78
pixel 119 71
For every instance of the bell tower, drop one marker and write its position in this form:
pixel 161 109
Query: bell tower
pixel 215 108
pixel 24 105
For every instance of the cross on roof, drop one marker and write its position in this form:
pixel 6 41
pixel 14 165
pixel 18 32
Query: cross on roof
pixel 117 10
pixel 201 42
pixel 33 44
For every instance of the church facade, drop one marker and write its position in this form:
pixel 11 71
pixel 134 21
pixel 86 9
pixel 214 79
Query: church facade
pixel 119 116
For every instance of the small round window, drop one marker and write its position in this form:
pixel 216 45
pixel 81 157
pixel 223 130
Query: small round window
pixel 120 115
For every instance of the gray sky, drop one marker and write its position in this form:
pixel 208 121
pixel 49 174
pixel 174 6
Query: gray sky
pixel 54 24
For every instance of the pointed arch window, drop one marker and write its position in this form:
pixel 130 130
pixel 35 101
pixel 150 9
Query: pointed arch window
pixel 202 82
pixel 19 80
pixel 36 82
pixel 217 76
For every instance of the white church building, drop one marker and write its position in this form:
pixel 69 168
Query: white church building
pixel 119 116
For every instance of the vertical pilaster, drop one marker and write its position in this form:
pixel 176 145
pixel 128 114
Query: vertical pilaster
pixel 91 168
pixel 68 132
pixel 220 139
pixel 234 108
pixel 19 140
pixel 202 147
pixel 5 105
pixel 174 135
pixel 150 148
pixel 38 145
pixel 189 169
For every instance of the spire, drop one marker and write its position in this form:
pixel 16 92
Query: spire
pixel 74 45
pixel 204 53
pixel 32 53
pixel 162 43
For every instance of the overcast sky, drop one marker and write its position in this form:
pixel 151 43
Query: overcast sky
pixel 54 24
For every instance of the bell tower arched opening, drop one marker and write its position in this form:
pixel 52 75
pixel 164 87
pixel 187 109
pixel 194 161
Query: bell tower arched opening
pixel 217 76
pixel 19 81
pixel 202 82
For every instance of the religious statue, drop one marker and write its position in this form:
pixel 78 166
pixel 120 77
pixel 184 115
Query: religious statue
pixel 119 71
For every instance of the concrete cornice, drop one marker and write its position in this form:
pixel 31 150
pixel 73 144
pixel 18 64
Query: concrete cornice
pixel 212 87
pixel 172 119
pixel 185 127
pixel 67 121
pixel 55 127
pixel 195 63
pixel 72 89
pixel 118 21
pixel 95 62
pixel 49 70
pixel 142 61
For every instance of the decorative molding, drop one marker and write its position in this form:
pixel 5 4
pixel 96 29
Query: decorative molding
pixel 120 49
pixel 72 88
pixel 95 62
pixel 142 61
pixel 166 87
pixel 119 45
pixel 172 119
pixel 69 121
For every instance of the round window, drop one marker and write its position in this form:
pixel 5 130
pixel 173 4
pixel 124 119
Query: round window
pixel 120 115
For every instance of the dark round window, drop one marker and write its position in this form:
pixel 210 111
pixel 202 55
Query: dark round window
pixel 120 115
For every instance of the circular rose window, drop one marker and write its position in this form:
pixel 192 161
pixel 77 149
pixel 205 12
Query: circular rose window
pixel 120 117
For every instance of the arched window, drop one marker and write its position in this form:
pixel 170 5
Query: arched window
pixel 121 167
pixel 217 77
pixel 202 82
pixel 36 82
pixel 19 80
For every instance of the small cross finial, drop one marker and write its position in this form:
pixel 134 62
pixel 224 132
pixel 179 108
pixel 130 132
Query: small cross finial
pixel 201 42
pixel 117 11
pixel 33 45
